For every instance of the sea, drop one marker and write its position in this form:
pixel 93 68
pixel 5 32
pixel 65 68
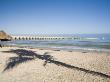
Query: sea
pixel 90 42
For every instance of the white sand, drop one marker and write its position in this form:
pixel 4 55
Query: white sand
pixel 34 71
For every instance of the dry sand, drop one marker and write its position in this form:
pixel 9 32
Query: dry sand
pixel 66 66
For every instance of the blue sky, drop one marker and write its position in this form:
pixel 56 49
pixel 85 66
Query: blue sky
pixel 55 16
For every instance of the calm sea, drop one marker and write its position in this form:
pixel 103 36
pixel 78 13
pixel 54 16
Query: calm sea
pixel 100 43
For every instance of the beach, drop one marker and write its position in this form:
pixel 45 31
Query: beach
pixel 50 65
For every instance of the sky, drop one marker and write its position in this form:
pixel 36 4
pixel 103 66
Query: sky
pixel 55 16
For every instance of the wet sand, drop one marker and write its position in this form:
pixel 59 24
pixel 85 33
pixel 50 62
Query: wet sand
pixel 47 65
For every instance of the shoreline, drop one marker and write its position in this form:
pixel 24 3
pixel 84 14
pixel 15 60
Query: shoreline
pixel 101 50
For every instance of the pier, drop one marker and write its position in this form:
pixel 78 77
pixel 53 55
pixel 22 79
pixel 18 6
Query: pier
pixel 43 38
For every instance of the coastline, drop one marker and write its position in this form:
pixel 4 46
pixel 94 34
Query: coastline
pixel 79 49
pixel 66 66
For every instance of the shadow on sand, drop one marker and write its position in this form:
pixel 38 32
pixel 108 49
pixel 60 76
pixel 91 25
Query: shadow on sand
pixel 28 55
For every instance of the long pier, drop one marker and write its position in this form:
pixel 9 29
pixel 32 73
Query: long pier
pixel 43 38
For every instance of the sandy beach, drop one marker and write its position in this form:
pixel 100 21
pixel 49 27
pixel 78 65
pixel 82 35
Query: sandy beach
pixel 47 65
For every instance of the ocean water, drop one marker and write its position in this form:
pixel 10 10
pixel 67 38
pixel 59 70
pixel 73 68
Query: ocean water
pixel 97 42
